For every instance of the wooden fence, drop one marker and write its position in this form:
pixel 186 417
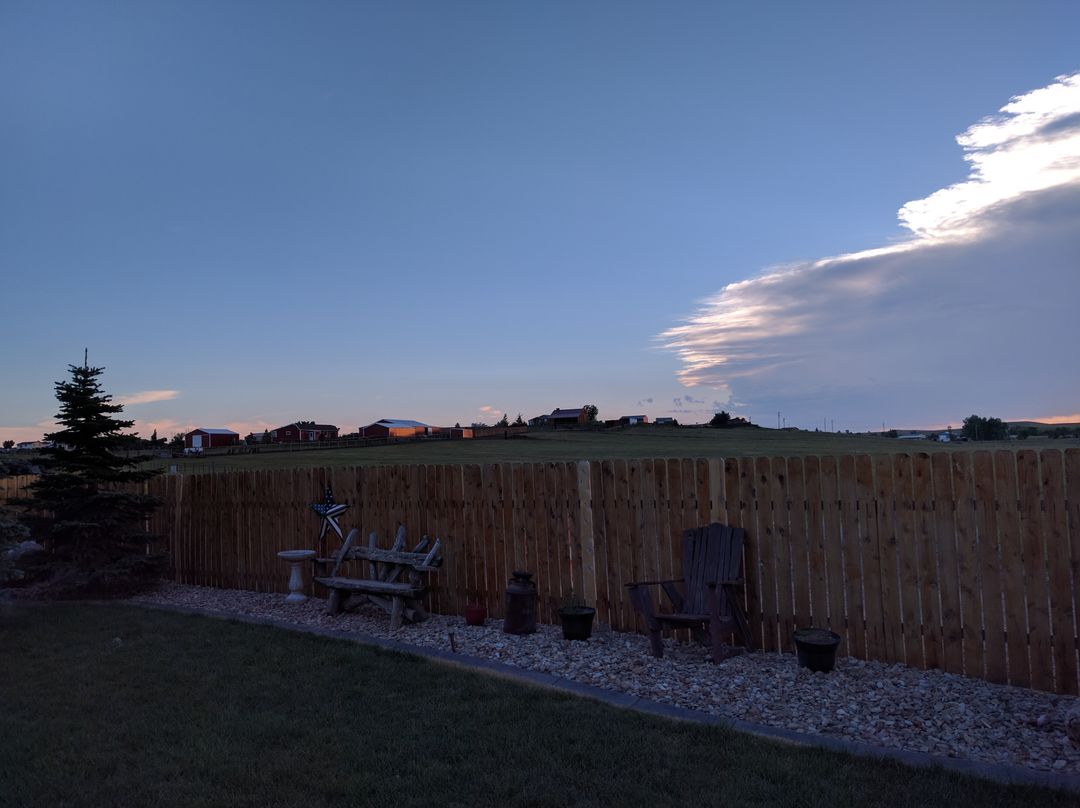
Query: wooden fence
pixel 964 561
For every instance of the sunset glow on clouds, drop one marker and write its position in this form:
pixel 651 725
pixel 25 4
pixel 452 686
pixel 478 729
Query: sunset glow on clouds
pixel 147 397
pixel 974 312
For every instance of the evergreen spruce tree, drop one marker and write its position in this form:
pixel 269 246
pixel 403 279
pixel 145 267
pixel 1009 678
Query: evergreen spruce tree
pixel 96 535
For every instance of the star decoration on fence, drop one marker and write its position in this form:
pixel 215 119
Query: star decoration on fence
pixel 329 511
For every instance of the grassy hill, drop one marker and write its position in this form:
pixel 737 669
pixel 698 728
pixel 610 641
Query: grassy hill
pixel 630 442
pixel 1039 425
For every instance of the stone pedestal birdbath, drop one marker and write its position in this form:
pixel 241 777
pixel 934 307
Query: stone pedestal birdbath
pixel 296 558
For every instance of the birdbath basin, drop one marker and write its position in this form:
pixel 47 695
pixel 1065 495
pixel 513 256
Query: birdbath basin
pixel 296 559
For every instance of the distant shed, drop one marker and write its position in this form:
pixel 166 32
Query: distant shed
pixel 396 428
pixel 208 438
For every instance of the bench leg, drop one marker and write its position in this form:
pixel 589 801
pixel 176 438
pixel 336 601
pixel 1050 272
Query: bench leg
pixel 419 613
pixel 396 613
pixel 333 604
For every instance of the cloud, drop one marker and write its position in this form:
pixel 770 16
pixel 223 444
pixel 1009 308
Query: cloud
pixel 147 397
pixel 1059 419
pixel 973 311
pixel 643 401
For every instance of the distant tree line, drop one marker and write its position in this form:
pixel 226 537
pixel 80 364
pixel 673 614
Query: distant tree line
pixel 724 420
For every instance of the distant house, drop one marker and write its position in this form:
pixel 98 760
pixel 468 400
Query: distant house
pixel 30 445
pixel 561 417
pixel 912 436
pixel 634 419
pixel 303 431
pixel 664 422
pixel 396 428
pixel 207 438
pixel 461 432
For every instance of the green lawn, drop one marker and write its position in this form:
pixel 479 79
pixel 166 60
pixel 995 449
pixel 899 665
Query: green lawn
pixel 568 445
pixel 115 706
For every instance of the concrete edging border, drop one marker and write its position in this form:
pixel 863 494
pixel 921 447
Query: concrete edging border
pixel 998 772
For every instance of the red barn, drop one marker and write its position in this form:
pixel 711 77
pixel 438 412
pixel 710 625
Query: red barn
pixel 206 438
pixel 303 431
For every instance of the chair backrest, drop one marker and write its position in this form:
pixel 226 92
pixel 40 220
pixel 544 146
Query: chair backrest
pixel 710 553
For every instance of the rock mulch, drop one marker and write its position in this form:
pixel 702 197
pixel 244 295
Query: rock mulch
pixel 870 702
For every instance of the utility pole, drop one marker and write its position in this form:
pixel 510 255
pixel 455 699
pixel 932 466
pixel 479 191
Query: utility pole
pixel 778 419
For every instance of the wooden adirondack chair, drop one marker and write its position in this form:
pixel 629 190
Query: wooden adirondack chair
pixel 708 604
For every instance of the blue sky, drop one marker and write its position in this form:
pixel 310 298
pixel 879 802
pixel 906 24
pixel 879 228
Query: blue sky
pixel 258 212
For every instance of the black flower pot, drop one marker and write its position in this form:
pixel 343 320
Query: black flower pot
pixel 816 648
pixel 577 622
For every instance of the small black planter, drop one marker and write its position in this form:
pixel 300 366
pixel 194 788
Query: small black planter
pixel 577 622
pixel 816 648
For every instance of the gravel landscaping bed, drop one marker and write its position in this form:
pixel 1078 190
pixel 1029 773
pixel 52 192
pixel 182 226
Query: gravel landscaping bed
pixel 885 705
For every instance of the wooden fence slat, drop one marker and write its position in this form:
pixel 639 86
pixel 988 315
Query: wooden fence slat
pixel 969 568
pixel 834 550
pixel 519 524
pixel 626 539
pixel 817 561
pixel 907 559
pixel 929 588
pixel 650 535
pixel 559 576
pixel 891 605
pixel 613 543
pixel 541 524
pixel 1036 586
pixel 1011 562
pixel 739 483
pixel 1072 514
pixel 603 569
pixel 1058 564
pixel 990 570
pixel 494 543
pixel 668 517
pixel 799 544
pixel 951 652
pixel 873 601
pixel 702 493
pixel 771 582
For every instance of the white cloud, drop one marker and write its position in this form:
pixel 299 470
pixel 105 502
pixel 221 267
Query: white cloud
pixel 973 312
pixel 147 397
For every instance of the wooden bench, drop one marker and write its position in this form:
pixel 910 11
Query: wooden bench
pixel 402 600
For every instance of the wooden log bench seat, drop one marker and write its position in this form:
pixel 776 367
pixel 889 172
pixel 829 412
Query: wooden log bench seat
pixel 402 600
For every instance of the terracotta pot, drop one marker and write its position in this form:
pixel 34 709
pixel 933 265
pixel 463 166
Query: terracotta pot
pixel 475 614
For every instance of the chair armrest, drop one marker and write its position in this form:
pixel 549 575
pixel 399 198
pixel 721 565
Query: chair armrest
pixel 655 583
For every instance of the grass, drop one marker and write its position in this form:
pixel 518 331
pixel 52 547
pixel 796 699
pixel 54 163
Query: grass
pixel 632 442
pixel 116 706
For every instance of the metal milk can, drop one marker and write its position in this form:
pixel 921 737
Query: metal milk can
pixel 520 604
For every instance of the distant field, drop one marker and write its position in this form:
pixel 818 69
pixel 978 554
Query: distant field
pixel 628 443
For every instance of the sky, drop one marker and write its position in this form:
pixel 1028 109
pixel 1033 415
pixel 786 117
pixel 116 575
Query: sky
pixel 848 214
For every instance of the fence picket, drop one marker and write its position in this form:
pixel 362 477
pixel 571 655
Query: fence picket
pixel 1011 566
pixel 1036 587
